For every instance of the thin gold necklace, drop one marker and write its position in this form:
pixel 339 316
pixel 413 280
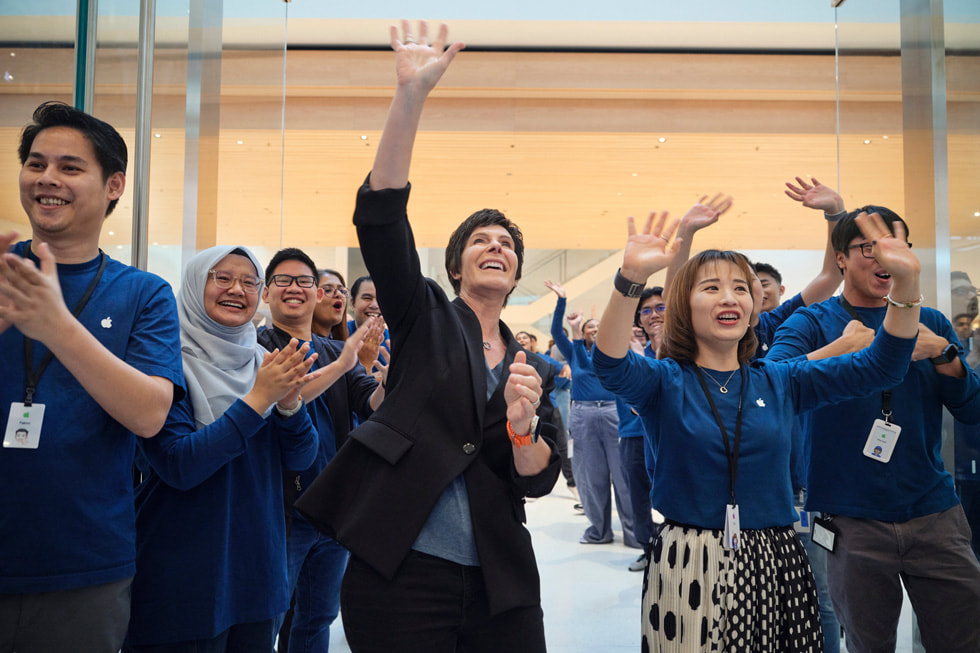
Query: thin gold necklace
pixel 723 388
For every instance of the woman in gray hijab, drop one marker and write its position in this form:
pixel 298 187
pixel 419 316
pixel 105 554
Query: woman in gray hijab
pixel 211 554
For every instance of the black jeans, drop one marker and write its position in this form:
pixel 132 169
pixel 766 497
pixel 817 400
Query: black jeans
pixel 432 606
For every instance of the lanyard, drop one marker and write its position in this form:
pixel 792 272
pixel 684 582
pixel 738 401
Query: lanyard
pixel 886 395
pixel 34 377
pixel 731 453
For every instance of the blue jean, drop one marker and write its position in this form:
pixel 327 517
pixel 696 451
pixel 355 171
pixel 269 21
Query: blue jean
pixel 315 566
pixel 595 426
pixel 828 618
pixel 631 452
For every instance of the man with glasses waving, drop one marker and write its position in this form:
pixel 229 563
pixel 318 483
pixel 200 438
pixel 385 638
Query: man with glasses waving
pixel 892 518
pixel 315 562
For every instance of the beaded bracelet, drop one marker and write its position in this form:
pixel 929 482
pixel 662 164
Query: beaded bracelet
pixel 912 304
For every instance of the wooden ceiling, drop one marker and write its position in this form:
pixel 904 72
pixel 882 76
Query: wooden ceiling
pixel 567 144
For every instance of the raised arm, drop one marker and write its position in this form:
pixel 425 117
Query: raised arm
pixel 647 251
pixel 419 67
pixel 815 195
pixel 893 253
pixel 701 215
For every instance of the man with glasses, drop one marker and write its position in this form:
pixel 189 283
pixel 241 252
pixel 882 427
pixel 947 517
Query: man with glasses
pixel 894 519
pixel 315 562
pixel 102 352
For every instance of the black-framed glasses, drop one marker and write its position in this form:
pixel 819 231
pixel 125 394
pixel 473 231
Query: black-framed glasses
pixel 647 310
pixel 866 249
pixel 225 280
pixel 329 289
pixel 286 280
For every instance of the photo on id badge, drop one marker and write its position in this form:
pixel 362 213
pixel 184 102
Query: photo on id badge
pixel 23 426
pixel 881 441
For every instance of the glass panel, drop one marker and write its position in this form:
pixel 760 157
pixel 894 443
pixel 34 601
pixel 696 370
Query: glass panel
pixel 37 63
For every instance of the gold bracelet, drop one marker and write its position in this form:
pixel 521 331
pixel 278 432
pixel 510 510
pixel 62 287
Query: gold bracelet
pixel 912 304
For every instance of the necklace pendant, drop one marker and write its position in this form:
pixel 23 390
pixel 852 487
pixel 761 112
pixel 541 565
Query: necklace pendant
pixel 723 389
pixel 486 345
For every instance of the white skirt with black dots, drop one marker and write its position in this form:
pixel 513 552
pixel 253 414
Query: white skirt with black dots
pixel 698 596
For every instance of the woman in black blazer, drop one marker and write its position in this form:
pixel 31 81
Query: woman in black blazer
pixel 428 494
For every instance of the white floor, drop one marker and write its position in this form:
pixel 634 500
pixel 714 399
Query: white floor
pixel 591 601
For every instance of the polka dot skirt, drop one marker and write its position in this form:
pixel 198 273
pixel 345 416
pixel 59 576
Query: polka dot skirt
pixel 697 596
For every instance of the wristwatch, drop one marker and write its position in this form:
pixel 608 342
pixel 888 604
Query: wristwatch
pixel 626 287
pixel 950 352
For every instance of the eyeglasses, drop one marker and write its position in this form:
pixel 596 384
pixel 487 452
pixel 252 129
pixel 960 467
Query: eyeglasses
pixel 866 249
pixel 286 280
pixel 225 280
pixel 647 310
pixel 329 289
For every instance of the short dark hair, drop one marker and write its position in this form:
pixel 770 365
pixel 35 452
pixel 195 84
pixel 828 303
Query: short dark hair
pixel 847 230
pixel 765 268
pixel 290 254
pixel 679 341
pixel 110 148
pixel 966 315
pixel 654 291
pixel 357 285
pixel 457 242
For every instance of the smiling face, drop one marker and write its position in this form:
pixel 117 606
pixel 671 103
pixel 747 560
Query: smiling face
pixel 772 292
pixel 865 282
pixel 721 305
pixel 291 306
pixel 365 304
pixel 653 320
pixel 231 307
pixel 331 310
pixel 589 329
pixel 488 262
pixel 62 188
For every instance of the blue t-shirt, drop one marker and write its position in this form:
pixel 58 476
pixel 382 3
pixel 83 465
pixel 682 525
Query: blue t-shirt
pixel 585 385
pixel 211 528
pixel 67 519
pixel 841 480
pixel 769 321
pixel 630 424
pixel 690 481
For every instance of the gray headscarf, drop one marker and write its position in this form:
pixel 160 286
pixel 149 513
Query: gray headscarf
pixel 220 363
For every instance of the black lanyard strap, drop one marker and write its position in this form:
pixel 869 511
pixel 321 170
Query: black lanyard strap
pixel 886 395
pixel 32 377
pixel 731 452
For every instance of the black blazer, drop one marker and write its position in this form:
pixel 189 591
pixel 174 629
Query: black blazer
pixel 434 425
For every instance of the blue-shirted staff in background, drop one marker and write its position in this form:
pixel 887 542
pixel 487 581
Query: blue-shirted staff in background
pixel 728 570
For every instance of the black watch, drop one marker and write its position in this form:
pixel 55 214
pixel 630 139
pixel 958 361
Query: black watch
pixel 626 287
pixel 950 352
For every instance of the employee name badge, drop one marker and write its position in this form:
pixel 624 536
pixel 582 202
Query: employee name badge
pixel 881 441
pixel 731 527
pixel 23 426
pixel 824 533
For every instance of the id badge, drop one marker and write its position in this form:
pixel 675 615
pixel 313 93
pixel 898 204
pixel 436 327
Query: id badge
pixel 23 426
pixel 881 441
pixel 731 527
pixel 824 533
